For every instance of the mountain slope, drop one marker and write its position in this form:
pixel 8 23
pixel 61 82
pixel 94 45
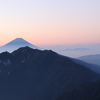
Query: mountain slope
pixel 31 74
pixel 93 67
pixel 86 91
pixel 15 44
pixel 93 59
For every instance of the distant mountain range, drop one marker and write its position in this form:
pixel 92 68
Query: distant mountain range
pixel 15 44
pixel 77 49
pixel 93 59
pixel 32 74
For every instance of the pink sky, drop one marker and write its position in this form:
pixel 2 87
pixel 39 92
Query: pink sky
pixel 50 22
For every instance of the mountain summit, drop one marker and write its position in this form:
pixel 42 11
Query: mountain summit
pixel 15 44
pixel 19 41
pixel 32 74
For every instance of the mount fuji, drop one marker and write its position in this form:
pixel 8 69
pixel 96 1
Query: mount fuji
pixel 15 44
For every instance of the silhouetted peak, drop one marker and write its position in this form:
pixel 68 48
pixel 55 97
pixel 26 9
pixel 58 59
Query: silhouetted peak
pixel 4 53
pixel 24 49
pixel 19 41
pixel 20 38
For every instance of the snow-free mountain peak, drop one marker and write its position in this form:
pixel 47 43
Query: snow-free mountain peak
pixel 19 41
pixel 15 44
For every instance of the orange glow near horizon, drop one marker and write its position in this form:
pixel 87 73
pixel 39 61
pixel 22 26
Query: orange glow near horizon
pixel 48 34
pixel 50 22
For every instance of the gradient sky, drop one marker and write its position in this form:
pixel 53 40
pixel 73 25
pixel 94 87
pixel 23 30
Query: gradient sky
pixel 50 22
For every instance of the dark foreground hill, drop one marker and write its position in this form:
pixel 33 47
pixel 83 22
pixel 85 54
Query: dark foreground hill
pixel 31 74
pixel 86 91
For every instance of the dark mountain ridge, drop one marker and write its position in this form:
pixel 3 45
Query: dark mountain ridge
pixel 32 74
